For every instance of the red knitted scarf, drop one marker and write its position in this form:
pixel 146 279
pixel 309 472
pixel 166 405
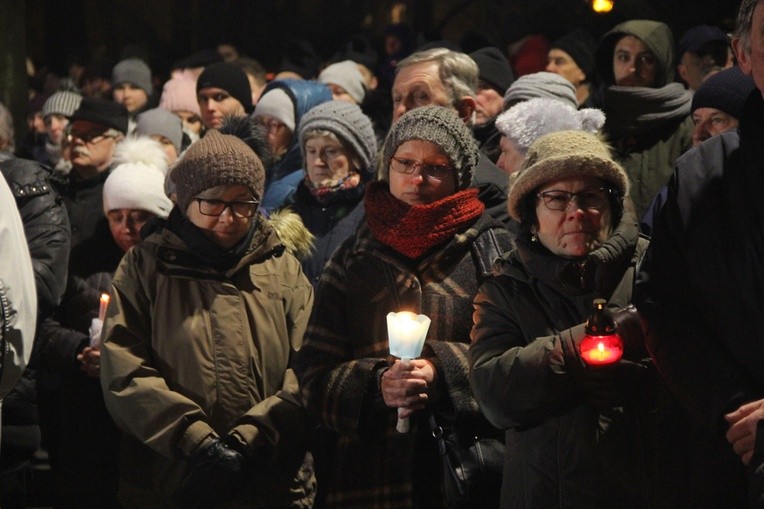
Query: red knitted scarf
pixel 414 230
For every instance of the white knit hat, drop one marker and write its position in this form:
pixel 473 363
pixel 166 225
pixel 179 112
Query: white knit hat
pixel 136 186
pixel 276 103
pixel 527 121
pixel 346 75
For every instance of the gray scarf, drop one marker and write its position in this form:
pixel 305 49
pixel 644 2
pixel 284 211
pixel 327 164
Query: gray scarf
pixel 631 111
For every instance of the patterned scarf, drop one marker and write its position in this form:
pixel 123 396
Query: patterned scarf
pixel 414 230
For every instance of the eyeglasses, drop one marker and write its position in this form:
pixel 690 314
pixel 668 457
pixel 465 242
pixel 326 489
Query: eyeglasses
pixel 586 199
pixel 94 136
pixel 325 154
pixel 213 207
pixel 430 171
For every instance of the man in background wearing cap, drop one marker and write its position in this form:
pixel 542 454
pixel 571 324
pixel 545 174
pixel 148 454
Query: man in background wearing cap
pixel 449 78
pixel 56 113
pixel 572 57
pixel 703 49
pixel 494 78
pixel 223 90
pixel 718 104
pixel 699 291
pixel 95 129
pixel 131 79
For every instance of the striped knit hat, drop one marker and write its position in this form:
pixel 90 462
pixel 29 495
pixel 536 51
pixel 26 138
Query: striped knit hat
pixel 217 159
pixel 61 103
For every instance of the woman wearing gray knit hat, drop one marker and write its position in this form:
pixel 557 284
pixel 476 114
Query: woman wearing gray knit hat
pixel 576 245
pixel 338 147
pixel 419 249
pixel 205 317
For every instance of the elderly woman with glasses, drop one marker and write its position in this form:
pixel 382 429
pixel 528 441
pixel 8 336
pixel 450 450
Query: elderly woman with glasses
pixel 576 435
pixel 418 249
pixel 205 318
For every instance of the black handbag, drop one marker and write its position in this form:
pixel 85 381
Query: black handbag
pixel 472 466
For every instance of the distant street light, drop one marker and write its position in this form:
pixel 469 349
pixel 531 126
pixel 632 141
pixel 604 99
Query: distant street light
pixel 602 6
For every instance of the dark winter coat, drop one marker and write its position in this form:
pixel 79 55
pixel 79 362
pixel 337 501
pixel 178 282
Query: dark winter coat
pixel 701 292
pixel 562 449
pixel 46 227
pixel 346 347
pixel 330 223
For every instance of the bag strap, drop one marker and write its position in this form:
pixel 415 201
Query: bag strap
pixel 485 250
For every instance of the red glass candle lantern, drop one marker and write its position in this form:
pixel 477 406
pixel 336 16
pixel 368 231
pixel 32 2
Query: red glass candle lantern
pixel 602 345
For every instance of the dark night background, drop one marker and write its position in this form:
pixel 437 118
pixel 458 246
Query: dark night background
pixel 168 30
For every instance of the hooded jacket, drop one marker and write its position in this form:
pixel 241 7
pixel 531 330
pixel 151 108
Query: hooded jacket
pixel 190 353
pixel 283 177
pixel 649 127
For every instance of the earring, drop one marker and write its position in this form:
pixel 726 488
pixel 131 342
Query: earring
pixel 534 238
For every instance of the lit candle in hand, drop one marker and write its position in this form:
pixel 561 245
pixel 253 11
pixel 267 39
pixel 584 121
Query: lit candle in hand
pixel 407 332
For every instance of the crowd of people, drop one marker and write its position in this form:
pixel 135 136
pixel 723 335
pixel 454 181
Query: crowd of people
pixel 197 276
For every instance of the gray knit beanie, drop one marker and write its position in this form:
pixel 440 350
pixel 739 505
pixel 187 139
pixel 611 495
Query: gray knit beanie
pixel 217 159
pixel 61 103
pixel 442 127
pixel 162 122
pixel 348 123
pixel 541 84
pixel 563 155
pixel 276 103
pixel 346 75
pixel 135 71
pixel 524 123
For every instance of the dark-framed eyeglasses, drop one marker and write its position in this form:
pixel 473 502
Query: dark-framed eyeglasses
pixel 92 136
pixel 430 171
pixel 595 198
pixel 215 207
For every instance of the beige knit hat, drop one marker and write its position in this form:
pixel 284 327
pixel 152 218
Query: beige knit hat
pixel 563 155
pixel 217 159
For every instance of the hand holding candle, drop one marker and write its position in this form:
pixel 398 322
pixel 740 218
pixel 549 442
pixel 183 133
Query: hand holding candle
pixel 407 332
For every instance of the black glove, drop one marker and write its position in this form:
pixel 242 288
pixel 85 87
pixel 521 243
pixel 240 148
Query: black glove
pixel 214 474
pixel 625 383
pixel 630 329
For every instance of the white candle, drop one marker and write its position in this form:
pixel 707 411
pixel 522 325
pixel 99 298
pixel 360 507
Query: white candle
pixel 103 305
pixel 406 332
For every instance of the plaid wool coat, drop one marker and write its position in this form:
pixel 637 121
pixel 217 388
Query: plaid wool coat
pixel 346 346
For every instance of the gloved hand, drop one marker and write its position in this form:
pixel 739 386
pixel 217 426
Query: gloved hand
pixel 214 474
pixel 625 383
pixel 630 329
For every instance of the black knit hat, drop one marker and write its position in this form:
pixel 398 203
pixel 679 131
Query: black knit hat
pixel 230 78
pixel 217 159
pixel 493 68
pixel 103 112
pixel 580 45
pixel 725 90
pixel 698 36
